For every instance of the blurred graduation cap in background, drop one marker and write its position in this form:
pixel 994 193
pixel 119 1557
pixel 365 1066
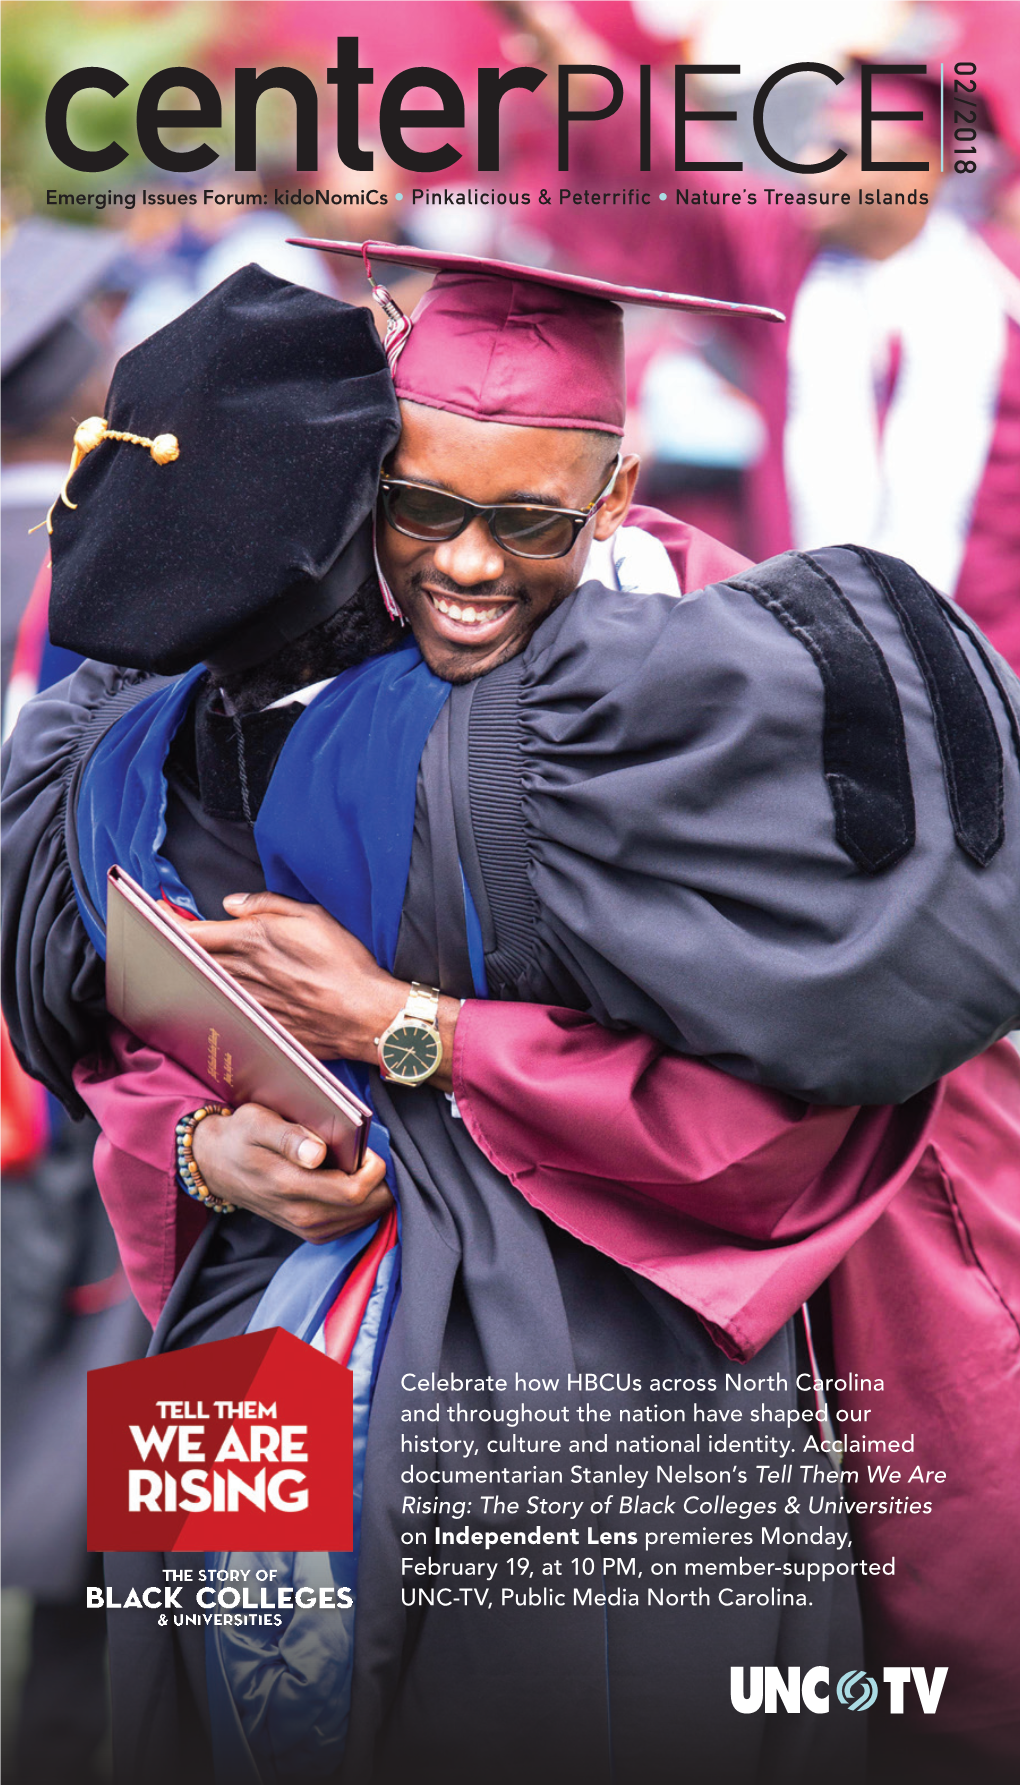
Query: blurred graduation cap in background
pixel 48 271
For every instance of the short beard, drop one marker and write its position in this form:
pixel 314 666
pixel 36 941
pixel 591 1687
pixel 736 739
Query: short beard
pixel 470 673
pixel 360 629
pixel 515 592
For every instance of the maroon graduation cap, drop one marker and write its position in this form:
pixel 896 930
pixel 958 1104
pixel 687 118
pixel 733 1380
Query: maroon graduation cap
pixel 503 343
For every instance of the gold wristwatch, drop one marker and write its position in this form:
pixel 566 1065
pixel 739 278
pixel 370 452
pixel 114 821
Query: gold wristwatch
pixel 410 1050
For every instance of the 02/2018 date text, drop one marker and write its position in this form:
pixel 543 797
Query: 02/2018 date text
pixel 965 116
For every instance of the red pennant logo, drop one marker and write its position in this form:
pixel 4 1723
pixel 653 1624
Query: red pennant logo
pixel 245 1444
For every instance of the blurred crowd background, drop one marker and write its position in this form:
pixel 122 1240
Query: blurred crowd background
pixel 754 444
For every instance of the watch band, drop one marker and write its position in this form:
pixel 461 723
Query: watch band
pixel 422 1003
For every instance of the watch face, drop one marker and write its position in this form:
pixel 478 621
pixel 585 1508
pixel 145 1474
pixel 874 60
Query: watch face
pixel 411 1052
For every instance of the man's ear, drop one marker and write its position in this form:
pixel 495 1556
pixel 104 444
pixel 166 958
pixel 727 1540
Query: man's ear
pixel 613 512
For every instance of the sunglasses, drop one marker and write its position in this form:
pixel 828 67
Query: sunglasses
pixel 528 530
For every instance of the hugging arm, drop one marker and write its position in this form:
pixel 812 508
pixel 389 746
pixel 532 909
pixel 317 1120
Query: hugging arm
pixel 737 1200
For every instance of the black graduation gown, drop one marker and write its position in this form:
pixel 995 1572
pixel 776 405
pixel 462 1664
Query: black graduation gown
pixel 698 818
pixel 608 1684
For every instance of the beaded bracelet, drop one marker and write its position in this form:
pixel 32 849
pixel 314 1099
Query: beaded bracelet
pixel 188 1175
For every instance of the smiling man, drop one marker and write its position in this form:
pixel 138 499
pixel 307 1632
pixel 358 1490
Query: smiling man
pixel 508 483
pixel 455 564
pixel 576 791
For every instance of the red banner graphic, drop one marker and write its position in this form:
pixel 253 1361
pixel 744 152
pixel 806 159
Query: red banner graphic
pixel 244 1444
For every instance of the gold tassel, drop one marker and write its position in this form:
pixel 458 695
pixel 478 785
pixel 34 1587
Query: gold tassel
pixel 90 434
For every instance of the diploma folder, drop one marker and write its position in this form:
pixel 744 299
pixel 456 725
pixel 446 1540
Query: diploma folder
pixel 175 997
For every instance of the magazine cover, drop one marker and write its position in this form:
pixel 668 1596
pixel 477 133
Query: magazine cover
pixel 511 932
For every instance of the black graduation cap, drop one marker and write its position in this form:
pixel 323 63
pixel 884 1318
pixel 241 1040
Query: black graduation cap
pixel 220 507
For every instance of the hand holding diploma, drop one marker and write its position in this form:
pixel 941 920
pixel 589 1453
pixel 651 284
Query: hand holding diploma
pixel 259 1162
pixel 325 987
pixel 315 978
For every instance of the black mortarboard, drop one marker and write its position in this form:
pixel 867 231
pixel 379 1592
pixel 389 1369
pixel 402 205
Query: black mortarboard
pixel 238 460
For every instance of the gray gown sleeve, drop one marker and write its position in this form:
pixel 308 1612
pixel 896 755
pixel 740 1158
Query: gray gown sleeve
pixel 776 824
pixel 52 978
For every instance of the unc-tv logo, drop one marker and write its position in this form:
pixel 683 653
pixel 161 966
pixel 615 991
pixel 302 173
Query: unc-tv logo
pixel 775 1688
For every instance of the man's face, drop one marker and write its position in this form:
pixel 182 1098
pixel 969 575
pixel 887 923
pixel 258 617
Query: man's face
pixel 470 602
